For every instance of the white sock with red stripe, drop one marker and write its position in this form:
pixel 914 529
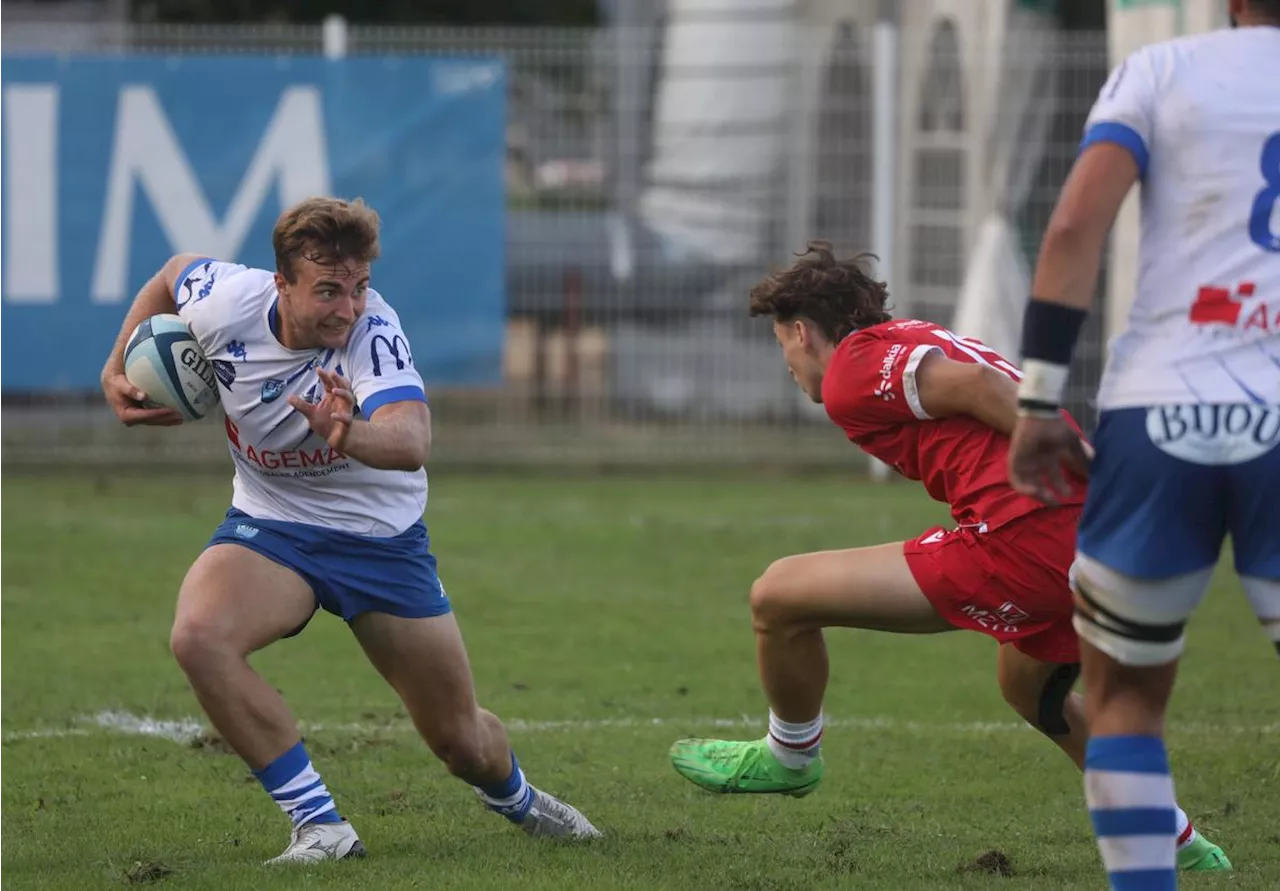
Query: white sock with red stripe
pixel 1186 832
pixel 794 745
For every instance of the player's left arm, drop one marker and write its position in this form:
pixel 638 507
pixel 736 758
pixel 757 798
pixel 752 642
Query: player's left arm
pixel 396 437
pixel 393 428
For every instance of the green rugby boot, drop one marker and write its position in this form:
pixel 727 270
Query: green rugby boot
pixel 1203 855
pixel 727 766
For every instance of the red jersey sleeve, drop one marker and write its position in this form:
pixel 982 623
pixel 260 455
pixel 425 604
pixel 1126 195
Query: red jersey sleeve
pixel 870 384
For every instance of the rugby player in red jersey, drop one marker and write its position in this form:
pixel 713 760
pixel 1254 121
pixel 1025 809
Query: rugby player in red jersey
pixel 938 408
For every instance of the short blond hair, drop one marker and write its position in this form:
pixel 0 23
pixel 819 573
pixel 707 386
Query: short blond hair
pixel 327 231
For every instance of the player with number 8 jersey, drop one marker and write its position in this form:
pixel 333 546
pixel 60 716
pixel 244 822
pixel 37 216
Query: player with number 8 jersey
pixel 1188 437
pixel 938 408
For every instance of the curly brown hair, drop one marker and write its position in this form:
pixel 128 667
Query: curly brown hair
pixel 328 231
pixel 837 296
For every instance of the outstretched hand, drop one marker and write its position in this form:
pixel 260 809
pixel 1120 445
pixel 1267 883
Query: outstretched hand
pixel 331 417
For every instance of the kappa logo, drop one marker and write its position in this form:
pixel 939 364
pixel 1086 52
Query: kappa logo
pixel 271 389
pixel 195 279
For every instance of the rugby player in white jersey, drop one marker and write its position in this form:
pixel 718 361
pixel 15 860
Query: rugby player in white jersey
pixel 1188 441
pixel 329 429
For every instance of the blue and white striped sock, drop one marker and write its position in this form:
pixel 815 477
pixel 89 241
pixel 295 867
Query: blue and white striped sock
pixel 294 785
pixel 1130 795
pixel 512 797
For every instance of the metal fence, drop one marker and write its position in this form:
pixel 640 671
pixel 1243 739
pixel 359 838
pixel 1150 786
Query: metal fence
pixel 627 338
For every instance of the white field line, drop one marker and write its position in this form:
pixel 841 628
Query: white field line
pixel 185 730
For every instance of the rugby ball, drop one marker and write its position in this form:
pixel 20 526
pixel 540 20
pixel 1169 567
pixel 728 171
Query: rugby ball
pixel 164 361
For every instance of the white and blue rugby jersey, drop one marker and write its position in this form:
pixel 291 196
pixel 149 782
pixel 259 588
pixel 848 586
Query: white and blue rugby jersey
pixel 284 471
pixel 1201 117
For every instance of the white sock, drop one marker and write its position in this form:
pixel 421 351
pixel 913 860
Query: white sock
pixel 1186 832
pixel 794 745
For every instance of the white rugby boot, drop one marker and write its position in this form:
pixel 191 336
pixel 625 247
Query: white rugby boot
pixel 549 817
pixel 313 842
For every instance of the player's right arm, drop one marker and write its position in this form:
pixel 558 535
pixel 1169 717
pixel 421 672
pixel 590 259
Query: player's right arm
pixel 1114 155
pixel 155 297
pixel 936 387
pixel 945 388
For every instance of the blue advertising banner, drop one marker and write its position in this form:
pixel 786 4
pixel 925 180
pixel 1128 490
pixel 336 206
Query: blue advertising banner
pixel 112 165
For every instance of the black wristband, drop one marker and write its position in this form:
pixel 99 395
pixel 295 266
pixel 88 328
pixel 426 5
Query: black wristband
pixel 1050 331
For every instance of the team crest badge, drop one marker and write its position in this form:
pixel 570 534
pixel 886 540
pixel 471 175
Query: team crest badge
pixel 271 389
pixel 226 372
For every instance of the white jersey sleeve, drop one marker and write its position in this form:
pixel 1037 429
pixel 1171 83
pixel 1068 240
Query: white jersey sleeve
pixel 381 362
pixel 211 296
pixel 1124 113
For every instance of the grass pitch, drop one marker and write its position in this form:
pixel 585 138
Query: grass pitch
pixel 605 618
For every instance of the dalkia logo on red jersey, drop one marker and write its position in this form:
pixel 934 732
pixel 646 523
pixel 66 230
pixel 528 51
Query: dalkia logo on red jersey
pixel 884 389
pixel 1219 306
pixel 269 459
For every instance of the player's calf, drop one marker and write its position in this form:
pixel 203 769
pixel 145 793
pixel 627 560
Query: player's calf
pixel 472 746
pixel 534 811
pixel 425 661
pixel 1131 633
pixel 470 750
pixel 1041 700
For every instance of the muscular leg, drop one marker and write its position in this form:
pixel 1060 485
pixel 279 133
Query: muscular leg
pixel 1130 642
pixel 791 603
pixel 425 662
pixel 1031 686
pixel 1034 689
pixel 797 597
pixel 232 603
pixel 1125 700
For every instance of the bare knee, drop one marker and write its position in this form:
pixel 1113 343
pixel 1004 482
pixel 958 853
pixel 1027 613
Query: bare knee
pixel 198 644
pixel 772 606
pixel 1041 700
pixel 1021 698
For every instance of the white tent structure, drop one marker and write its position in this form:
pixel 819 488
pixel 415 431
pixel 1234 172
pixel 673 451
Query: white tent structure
pixel 1019 91
pixel 719 123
